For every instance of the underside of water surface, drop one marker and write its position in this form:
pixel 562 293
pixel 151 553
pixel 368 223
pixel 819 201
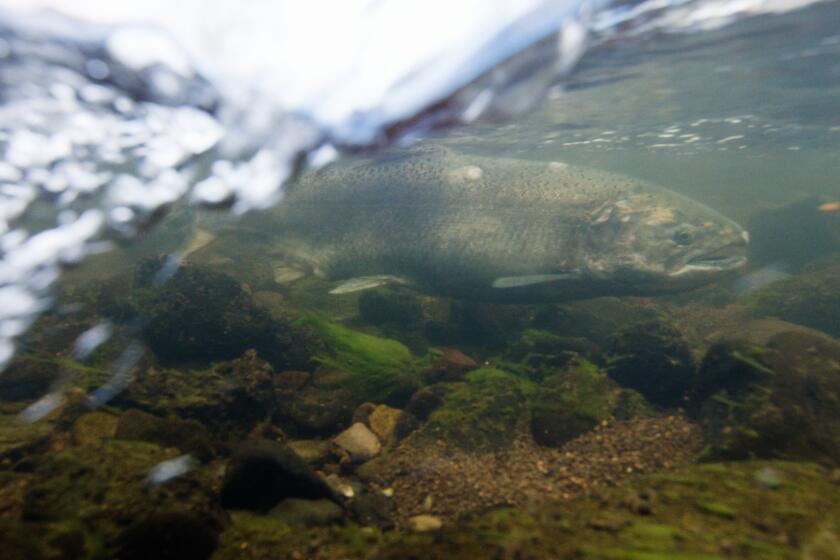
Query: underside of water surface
pixel 213 387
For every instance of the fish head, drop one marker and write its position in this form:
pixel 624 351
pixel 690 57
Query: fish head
pixel 660 241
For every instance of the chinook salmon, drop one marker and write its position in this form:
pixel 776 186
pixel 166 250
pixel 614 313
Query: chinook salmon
pixel 497 229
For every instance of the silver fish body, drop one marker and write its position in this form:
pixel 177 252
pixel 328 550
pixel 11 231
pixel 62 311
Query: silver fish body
pixel 500 229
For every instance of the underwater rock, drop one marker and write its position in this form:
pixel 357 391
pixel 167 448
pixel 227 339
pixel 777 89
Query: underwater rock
pixel 189 436
pixel 105 487
pixel 480 415
pixel 94 427
pixel 452 365
pixel 810 298
pixel 230 399
pixel 576 400
pixel 385 307
pixel 307 513
pixel 654 359
pixel 262 473
pixel 427 399
pixel 314 412
pixel 363 412
pixel 313 451
pixel 773 401
pixel 383 421
pixel 540 353
pixel 372 509
pixel 290 381
pixel 204 315
pixel 27 378
pixel 169 535
pixel 359 442
pixel 482 325
pixel 424 523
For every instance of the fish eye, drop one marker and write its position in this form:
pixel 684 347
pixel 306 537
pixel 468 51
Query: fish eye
pixel 683 236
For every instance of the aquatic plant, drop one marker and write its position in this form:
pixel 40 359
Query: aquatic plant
pixel 380 369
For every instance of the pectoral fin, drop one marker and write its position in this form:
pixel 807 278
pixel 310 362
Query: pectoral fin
pixel 520 281
pixel 285 274
pixel 366 283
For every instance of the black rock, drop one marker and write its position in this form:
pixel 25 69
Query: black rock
pixel 654 359
pixel 262 473
pixel 175 535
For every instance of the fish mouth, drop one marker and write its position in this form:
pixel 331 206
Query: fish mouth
pixel 723 260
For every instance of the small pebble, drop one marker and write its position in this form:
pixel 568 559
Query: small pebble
pixel 424 523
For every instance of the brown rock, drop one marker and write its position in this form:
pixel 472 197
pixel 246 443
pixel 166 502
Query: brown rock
pixel 383 422
pixel 451 366
pixel 290 381
pixel 363 412
pixel 359 442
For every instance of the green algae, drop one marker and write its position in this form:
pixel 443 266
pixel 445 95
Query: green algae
pixel 716 508
pixel 104 487
pixel 377 367
pixel 675 528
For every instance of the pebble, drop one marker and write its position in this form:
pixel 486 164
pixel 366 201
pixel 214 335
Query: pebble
pixel 359 442
pixel 425 523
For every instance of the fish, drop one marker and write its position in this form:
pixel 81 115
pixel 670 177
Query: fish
pixel 496 229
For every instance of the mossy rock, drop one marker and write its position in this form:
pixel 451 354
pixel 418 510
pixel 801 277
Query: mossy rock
pixel 229 398
pixel 539 353
pixel 481 415
pixel 574 401
pixel 201 315
pixel 190 436
pixel 654 359
pixel 810 298
pixel 380 369
pixel 781 400
pixel 105 487
pixel 65 540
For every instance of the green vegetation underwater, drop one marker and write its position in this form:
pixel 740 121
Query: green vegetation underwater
pixel 607 328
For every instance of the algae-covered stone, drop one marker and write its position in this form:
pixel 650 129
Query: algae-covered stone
pixel 204 315
pixel 482 414
pixel 230 398
pixel 540 353
pixel 696 513
pixel 576 400
pixel 106 488
pixel 189 436
pixel 654 359
pixel 94 427
pixel 27 378
pixel 781 400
